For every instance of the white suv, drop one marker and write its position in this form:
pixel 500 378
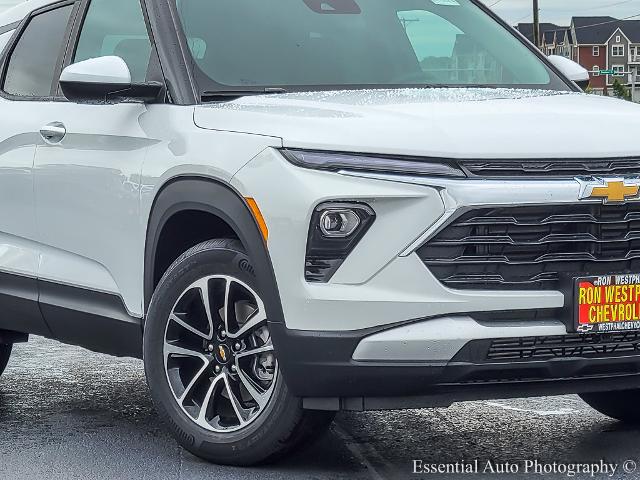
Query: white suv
pixel 297 207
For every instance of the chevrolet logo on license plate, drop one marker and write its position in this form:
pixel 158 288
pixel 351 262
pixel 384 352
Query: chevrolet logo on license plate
pixel 616 190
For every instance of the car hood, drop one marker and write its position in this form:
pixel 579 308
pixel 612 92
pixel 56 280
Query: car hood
pixel 443 122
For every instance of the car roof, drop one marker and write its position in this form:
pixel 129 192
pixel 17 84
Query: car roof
pixel 20 11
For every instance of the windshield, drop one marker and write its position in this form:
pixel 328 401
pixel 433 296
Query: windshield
pixel 320 44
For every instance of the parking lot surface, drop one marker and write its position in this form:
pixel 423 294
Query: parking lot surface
pixel 67 413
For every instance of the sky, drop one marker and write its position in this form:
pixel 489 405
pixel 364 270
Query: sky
pixel 554 11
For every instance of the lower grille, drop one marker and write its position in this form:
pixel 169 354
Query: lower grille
pixel 535 247
pixel 568 346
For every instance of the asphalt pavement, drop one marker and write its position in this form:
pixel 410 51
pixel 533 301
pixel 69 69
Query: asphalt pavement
pixel 66 413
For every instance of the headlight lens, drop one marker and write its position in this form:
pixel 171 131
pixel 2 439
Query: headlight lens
pixel 379 164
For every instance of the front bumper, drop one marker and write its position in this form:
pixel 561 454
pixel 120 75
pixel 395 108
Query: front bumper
pixel 327 369
pixel 355 342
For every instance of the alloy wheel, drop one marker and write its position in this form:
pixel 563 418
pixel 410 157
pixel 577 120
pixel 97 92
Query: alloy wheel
pixel 218 354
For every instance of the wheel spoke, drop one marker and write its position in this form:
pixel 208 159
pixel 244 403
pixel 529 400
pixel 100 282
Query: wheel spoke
pixel 260 398
pixel 173 317
pixel 225 307
pixel 202 415
pixel 170 349
pixel 192 383
pixel 203 286
pixel 241 412
pixel 247 353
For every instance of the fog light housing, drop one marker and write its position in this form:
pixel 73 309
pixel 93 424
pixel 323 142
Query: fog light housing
pixel 335 230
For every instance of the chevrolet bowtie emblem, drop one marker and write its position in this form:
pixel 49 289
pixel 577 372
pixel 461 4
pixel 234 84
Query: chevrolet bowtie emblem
pixel 223 353
pixel 610 190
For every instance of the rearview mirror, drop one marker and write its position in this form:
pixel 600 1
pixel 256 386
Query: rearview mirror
pixel 572 70
pixel 105 80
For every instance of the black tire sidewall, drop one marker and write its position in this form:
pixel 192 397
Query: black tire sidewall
pixel 5 353
pixel 255 442
pixel 619 405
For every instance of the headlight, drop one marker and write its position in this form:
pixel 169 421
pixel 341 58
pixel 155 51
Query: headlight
pixel 379 164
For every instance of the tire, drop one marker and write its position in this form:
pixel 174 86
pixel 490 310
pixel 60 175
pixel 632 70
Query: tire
pixel 620 405
pixel 193 358
pixel 5 353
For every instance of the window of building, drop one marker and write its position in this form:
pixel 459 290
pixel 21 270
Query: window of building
pixel 618 51
pixel 618 70
pixel 596 70
pixel 617 38
pixel 596 51
pixel 33 62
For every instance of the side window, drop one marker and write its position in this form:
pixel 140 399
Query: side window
pixel 32 65
pixel 116 27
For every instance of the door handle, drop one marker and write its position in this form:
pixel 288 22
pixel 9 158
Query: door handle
pixel 53 132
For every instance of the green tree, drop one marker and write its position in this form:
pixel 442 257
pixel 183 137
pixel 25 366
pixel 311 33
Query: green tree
pixel 620 90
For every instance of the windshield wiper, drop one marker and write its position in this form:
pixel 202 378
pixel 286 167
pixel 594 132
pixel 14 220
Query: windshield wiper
pixel 227 95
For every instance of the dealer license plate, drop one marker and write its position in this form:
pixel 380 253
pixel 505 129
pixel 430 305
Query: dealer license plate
pixel 609 303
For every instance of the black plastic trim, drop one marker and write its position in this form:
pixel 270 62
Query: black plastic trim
pixel 211 196
pixel 172 51
pixel 325 255
pixel 340 383
pixel 544 168
pixel 19 305
pixel 445 396
pixel 104 93
pixel 533 247
pixel 91 319
pixel 94 320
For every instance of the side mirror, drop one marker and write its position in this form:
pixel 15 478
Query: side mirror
pixel 105 80
pixel 572 70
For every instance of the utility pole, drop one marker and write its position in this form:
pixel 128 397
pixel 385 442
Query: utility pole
pixel 536 24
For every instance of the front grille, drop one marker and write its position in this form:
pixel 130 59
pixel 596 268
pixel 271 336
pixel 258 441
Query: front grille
pixel 535 247
pixel 567 346
pixel 551 168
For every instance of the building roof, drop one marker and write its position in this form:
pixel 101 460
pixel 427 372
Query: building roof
pixel 588 30
pixel 545 28
pixel 593 30
pixel 631 29
pixel 597 30
pixel 548 36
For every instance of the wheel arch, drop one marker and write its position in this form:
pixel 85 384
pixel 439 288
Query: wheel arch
pixel 213 197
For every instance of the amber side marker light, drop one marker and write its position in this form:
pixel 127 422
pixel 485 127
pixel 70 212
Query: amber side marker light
pixel 257 214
